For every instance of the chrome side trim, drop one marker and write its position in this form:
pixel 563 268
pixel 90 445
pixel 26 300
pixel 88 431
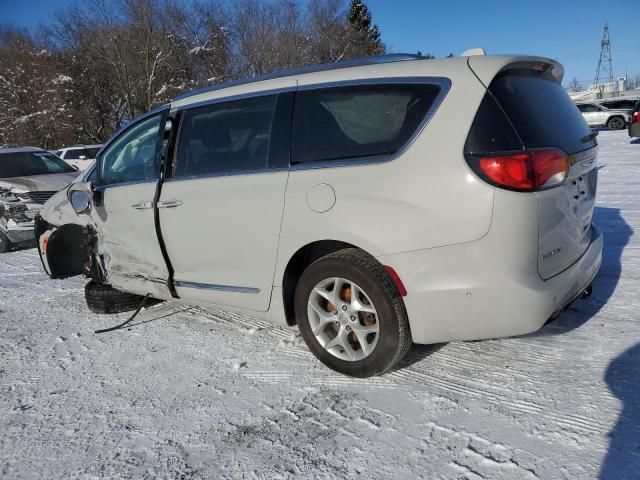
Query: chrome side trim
pixel 443 82
pixel 222 288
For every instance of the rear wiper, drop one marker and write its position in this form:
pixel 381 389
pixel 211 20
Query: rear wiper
pixel 591 136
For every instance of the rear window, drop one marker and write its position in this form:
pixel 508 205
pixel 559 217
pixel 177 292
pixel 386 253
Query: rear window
pixel 25 164
pixel 540 110
pixel 357 121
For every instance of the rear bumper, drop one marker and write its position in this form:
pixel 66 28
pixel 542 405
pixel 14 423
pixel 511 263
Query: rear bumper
pixel 634 129
pixel 461 293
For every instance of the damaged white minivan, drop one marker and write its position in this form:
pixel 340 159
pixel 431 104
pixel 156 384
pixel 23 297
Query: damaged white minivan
pixel 374 204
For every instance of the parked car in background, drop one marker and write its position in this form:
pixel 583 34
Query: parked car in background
pixel 28 178
pixel 618 104
pixel 598 116
pixel 374 203
pixel 79 155
pixel 634 126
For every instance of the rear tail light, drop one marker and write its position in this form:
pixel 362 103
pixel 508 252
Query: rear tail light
pixel 636 117
pixel 524 171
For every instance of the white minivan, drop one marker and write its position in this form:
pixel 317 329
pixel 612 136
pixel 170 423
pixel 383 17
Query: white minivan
pixel 374 204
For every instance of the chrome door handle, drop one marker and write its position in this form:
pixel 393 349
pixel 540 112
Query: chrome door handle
pixel 142 205
pixel 169 203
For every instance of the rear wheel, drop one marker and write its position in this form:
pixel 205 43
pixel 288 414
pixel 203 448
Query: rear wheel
pixel 351 314
pixel 106 299
pixel 5 243
pixel 615 123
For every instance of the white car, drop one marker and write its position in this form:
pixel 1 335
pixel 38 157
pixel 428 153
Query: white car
pixel 374 203
pixel 80 156
pixel 597 115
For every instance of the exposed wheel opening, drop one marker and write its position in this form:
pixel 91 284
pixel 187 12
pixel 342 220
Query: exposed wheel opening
pixel 298 263
pixel 67 251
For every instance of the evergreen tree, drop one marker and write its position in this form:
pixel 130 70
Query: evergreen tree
pixel 359 18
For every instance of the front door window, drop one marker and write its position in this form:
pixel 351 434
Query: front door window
pixel 132 156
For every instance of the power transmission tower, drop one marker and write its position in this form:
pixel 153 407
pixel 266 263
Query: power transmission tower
pixel 604 72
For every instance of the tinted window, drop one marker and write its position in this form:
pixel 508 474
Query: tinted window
pixel 75 153
pixel 588 108
pixel 132 156
pixel 226 137
pixel 24 164
pixel 357 121
pixel 541 111
pixel 91 152
pixel 491 130
pixel 624 104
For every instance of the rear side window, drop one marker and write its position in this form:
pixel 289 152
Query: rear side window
pixel 75 154
pixel 588 108
pixel 540 110
pixel 357 121
pixel 91 152
pixel 227 137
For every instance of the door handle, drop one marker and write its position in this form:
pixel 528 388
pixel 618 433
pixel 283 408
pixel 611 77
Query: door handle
pixel 169 203
pixel 142 205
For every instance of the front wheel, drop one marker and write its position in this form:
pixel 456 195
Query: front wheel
pixel 351 315
pixel 615 123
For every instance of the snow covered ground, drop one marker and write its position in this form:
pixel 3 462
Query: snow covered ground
pixel 190 393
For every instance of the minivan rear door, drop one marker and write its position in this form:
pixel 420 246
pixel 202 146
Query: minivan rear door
pixel 221 208
pixel 544 116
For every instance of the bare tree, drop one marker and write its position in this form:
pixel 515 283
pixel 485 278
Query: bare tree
pixel 100 63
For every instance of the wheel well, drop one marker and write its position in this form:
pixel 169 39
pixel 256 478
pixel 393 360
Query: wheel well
pixel 67 251
pixel 298 263
pixel 612 117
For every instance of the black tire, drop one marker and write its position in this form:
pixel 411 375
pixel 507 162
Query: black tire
pixel 394 338
pixel 5 243
pixel 106 299
pixel 615 123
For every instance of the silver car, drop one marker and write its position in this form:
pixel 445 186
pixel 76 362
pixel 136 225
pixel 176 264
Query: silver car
pixel 598 116
pixel 28 178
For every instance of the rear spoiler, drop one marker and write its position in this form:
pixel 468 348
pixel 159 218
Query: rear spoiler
pixel 487 67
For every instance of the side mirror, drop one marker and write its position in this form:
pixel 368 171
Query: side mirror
pixel 82 157
pixel 79 195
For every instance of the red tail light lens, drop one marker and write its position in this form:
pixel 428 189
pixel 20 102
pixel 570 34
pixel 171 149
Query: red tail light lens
pixel 525 171
pixel 636 117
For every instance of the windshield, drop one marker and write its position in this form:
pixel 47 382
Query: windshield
pixel 25 164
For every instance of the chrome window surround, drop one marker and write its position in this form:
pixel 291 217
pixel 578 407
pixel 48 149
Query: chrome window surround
pixel 442 82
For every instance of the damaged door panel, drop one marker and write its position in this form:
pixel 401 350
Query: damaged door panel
pixel 112 241
pixel 127 252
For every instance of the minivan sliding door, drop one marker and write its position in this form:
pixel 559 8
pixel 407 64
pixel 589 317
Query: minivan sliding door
pixel 221 209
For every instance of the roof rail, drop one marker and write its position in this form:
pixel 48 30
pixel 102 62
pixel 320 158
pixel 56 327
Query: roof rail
pixel 358 62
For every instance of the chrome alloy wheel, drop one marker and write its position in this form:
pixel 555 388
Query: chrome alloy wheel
pixel 343 319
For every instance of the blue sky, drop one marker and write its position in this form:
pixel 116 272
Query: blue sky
pixel 567 30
